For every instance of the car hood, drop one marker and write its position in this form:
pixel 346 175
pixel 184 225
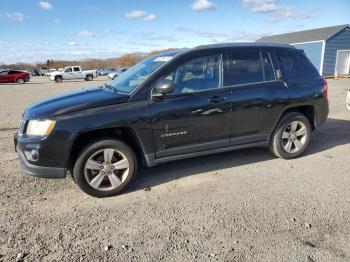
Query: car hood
pixel 74 101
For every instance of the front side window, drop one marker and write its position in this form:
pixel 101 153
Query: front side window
pixel 3 73
pixel 68 70
pixel 197 74
pixel 243 68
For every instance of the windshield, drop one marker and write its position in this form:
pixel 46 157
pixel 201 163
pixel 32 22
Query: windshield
pixel 134 76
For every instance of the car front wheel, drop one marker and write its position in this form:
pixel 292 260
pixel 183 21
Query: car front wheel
pixel 291 137
pixel 105 167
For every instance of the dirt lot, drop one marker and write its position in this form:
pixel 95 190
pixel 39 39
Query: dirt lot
pixel 240 206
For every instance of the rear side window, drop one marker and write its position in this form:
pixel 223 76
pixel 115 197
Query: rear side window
pixel 243 68
pixel 286 62
pixel 76 69
pixel 304 70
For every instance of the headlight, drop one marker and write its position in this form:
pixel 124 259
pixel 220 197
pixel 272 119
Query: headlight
pixel 40 127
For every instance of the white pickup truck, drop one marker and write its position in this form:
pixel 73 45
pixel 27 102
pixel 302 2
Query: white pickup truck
pixel 73 72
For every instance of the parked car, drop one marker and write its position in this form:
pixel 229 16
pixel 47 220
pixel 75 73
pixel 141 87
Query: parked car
pixel 116 73
pixel 51 70
pixel 72 72
pixel 348 100
pixel 172 106
pixel 14 76
pixel 101 71
pixel 43 71
pixel 34 72
pixel 107 71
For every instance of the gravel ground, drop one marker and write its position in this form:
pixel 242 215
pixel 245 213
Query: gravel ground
pixel 239 206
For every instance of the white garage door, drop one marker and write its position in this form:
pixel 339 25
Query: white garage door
pixel 343 62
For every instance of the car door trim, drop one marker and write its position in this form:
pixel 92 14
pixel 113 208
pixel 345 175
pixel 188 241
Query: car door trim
pixel 151 160
pixel 191 148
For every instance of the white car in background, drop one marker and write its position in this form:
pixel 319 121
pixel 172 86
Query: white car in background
pixel 116 73
pixel 348 100
pixel 73 72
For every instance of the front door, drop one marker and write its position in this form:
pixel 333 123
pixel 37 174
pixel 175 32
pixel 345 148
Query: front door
pixel 196 116
pixel 68 73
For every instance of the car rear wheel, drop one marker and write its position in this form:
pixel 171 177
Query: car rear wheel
pixel 58 79
pixel 105 167
pixel 291 137
pixel 20 81
pixel 89 78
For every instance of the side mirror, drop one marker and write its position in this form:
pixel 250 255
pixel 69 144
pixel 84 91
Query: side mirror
pixel 163 87
pixel 279 74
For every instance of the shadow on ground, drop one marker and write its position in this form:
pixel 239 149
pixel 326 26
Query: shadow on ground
pixel 332 134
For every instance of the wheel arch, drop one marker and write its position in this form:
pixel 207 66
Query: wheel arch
pixel 125 134
pixel 307 110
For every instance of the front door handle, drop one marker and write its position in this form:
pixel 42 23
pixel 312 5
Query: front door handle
pixel 216 99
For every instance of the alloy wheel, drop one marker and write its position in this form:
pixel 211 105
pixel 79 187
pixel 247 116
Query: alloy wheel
pixel 106 169
pixel 294 136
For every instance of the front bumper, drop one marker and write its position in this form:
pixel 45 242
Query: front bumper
pixel 36 170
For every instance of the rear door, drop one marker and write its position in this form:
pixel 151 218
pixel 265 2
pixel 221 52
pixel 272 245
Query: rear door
pixel 77 73
pixel 257 96
pixel 196 116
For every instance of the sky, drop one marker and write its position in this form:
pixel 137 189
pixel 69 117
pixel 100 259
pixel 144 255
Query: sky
pixel 34 31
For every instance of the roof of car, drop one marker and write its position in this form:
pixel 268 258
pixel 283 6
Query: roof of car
pixel 225 45
pixel 249 44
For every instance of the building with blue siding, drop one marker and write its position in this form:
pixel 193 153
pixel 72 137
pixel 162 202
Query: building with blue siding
pixel 327 48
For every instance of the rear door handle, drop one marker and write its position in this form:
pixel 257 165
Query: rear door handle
pixel 216 99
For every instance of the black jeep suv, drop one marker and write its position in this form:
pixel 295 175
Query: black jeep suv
pixel 175 105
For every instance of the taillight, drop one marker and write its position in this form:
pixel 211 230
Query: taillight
pixel 325 91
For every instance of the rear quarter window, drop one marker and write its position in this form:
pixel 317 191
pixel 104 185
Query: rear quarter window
pixel 304 69
pixel 286 62
pixel 296 66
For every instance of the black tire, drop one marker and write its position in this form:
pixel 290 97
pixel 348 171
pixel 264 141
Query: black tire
pixel 20 81
pixel 93 148
pixel 58 79
pixel 277 143
pixel 89 78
